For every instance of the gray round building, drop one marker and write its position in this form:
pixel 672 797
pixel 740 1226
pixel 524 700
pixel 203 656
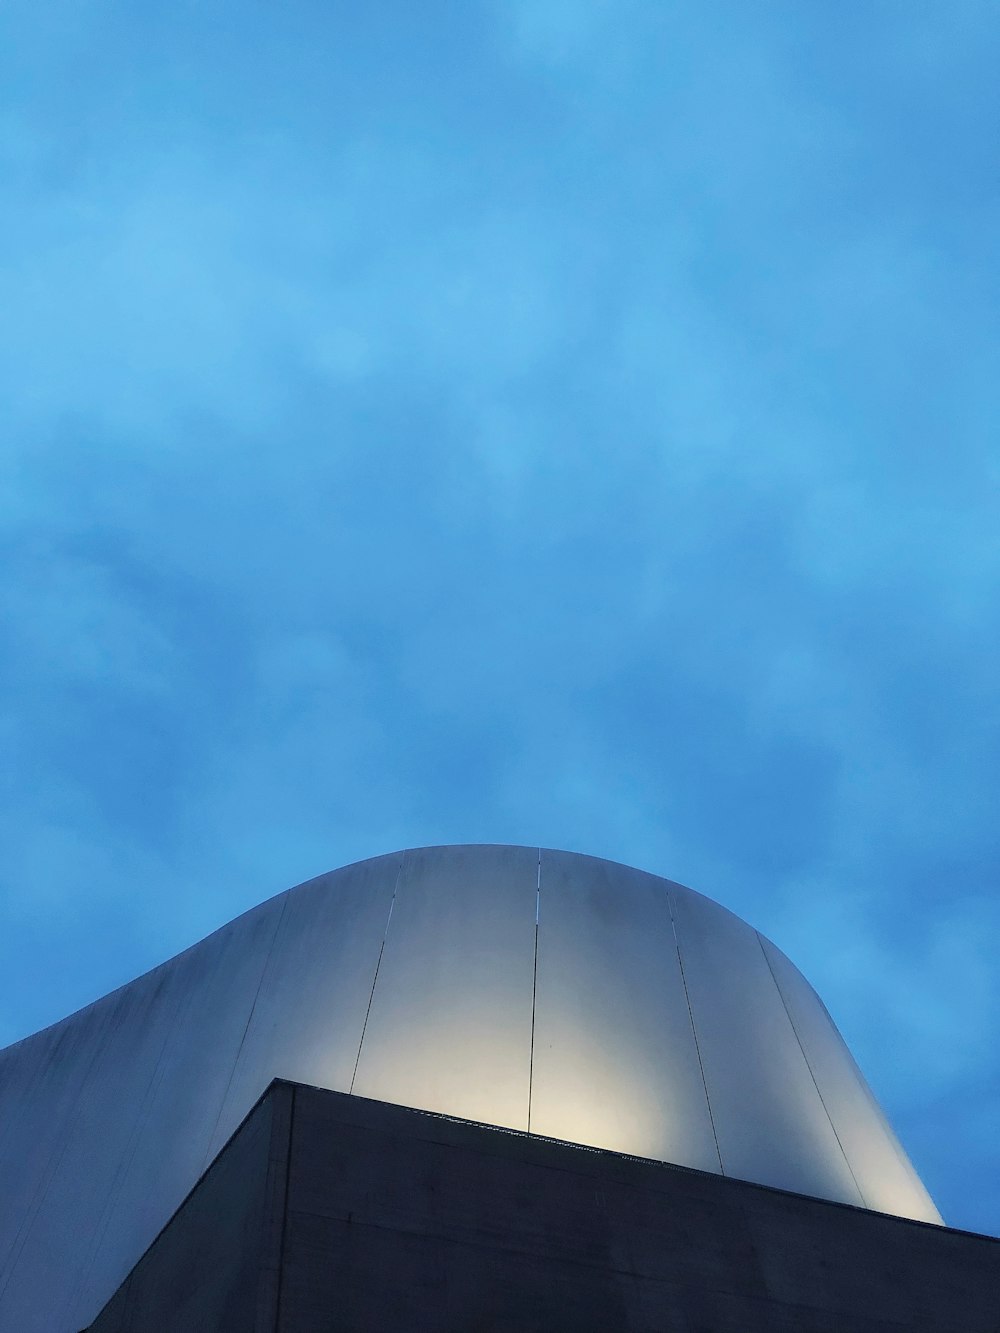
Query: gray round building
pixel 541 991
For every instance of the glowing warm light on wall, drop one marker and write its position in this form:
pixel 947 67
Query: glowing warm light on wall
pixel 617 1009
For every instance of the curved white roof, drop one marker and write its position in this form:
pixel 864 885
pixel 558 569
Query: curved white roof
pixel 537 990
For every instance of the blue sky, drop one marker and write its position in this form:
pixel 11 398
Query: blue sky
pixel 542 421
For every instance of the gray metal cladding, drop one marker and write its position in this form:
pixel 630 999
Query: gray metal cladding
pixel 540 991
pixel 449 1027
pixel 316 986
pixel 615 1057
pixel 770 1121
pixel 879 1165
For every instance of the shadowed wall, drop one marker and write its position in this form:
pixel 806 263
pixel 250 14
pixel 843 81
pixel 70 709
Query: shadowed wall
pixel 357 1215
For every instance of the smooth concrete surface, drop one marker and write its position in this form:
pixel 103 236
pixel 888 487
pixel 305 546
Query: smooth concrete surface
pixel 330 1212
pixel 522 987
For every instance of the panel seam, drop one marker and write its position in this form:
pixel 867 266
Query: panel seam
pixel 239 1051
pixel 534 984
pixel 378 964
pixel 822 1101
pixel 694 1031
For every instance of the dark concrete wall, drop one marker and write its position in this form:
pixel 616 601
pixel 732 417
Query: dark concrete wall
pixel 393 1219
pixel 215 1266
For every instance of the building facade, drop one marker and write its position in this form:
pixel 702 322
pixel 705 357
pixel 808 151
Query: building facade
pixel 532 990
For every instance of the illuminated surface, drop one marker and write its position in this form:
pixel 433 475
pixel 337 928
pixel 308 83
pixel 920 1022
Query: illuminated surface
pixel 638 1016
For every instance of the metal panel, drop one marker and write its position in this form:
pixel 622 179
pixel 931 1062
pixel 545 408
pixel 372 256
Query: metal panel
pixel 771 1124
pixel 40 1080
pixel 615 1061
pixel 105 1065
pixel 126 1036
pixel 884 1174
pixel 450 1022
pixel 218 983
pixel 309 1016
pixel 154 1061
pixel 107 1119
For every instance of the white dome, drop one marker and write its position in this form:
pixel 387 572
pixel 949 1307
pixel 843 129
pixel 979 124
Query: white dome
pixel 537 990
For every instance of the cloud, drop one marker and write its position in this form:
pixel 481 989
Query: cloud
pixel 538 423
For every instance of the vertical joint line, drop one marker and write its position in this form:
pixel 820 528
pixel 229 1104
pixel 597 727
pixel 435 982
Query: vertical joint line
pixel 534 983
pixel 378 964
pixel 694 1031
pixel 239 1050
pixel 791 1023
